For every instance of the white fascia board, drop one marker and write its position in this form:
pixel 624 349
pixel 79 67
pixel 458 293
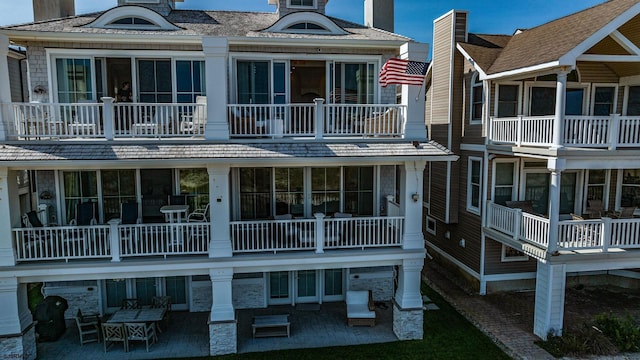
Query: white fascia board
pixel 458 263
pixel 481 72
pixel 525 70
pixel 17 36
pixel 310 42
pixel 588 43
pixel 510 276
pixel 449 13
pixel 473 147
pixel 626 44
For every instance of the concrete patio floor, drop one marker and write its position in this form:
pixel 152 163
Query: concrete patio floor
pixel 187 334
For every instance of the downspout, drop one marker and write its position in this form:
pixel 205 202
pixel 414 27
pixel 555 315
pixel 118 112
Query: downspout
pixel 485 182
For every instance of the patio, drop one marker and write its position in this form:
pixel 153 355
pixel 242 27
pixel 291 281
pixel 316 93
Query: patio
pixel 312 325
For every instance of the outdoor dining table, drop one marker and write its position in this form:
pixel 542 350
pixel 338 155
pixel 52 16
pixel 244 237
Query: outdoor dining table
pixel 137 315
pixel 175 212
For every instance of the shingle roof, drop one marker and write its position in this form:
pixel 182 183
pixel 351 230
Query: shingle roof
pixel 485 49
pixel 229 151
pixel 550 41
pixel 206 23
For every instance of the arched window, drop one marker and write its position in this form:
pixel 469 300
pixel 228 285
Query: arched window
pixel 132 21
pixel 306 26
pixel 476 100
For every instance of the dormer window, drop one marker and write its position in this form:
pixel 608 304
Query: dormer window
pixel 132 21
pixel 306 26
pixel 302 4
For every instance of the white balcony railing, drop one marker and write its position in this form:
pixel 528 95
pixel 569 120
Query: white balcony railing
pixel 600 234
pixel 164 239
pixel 53 121
pixel 62 243
pixel 577 131
pixel 159 120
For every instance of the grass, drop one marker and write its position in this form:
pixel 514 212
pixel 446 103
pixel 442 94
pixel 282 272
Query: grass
pixel 447 335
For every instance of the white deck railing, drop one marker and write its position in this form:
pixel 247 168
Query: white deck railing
pixel 303 234
pixel 600 234
pixel 577 131
pixel 364 120
pixel 53 121
pixel 62 243
pixel 164 239
pixel 159 120
pixel 271 120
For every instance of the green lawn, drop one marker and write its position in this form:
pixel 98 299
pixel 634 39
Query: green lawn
pixel 448 335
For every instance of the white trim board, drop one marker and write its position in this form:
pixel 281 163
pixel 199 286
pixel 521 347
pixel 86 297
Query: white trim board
pixel 457 262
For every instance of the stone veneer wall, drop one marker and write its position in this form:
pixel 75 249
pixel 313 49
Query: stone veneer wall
pixel 200 296
pixel 46 181
pixel 378 280
pixel 408 324
pixel 249 293
pixel 387 185
pixel 223 338
pixel 83 295
pixel 19 347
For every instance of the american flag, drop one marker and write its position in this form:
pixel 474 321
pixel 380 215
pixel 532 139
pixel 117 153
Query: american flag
pixel 402 72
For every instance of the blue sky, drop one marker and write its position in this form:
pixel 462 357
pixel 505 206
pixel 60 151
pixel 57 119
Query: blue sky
pixel 413 18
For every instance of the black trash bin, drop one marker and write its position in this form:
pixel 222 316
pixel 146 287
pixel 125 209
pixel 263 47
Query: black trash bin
pixel 50 316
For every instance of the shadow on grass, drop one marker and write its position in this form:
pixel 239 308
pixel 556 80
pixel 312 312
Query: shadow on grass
pixel 447 335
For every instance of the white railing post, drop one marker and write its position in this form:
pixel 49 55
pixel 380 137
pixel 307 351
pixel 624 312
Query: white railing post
pixel 516 224
pixel 319 232
pixel 519 131
pixel 114 239
pixel 606 234
pixel 107 117
pixel 490 134
pixel 320 118
pixel 614 130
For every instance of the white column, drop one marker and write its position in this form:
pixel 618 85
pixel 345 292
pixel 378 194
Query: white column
pixel 17 335
pixel 219 198
pixel 216 50
pixel 9 215
pixel 561 91
pixel 222 305
pixel 549 303
pixel 409 279
pixel 319 232
pixel 5 87
pixel 320 121
pixel 412 95
pixel 412 203
pixel 107 116
pixel 556 166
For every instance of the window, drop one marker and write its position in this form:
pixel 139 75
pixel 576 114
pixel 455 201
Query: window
pixel 195 183
pixel 306 26
pixel 596 186
pixel 333 282
pixel 74 80
pixel 302 3
pixel 325 190
pixel 543 101
pixel 279 285
pixel 633 101
pixel 190 81
pixel 511 254
pixel 118 186
pixel 430 225
pixel 630 193
pixel 255 193
pixel 132 21
pixel 290 191
pixel 154 77
pixel 474 185
pixel 504 182
pixel 603 100
pixel 352 83
pixel 358 190
pixel 79 187
pixel 476 99
pixel 253 82
pixel 508 100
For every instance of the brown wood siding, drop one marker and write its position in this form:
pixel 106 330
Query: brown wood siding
pixel 441 70
pixel 631 30
pixel 620 100
pixel 468 255
pixel 471 133
pixel 593 72
pixel 493 263
pixel 438 202
pixel 607 46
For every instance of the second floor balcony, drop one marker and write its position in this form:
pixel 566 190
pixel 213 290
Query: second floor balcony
pixel 152 121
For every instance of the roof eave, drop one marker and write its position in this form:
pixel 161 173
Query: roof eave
pixel 23 35
pixel 310 42
pixel 481 72
pixel 524 71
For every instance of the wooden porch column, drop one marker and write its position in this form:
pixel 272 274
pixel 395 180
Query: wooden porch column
pixel 223 330
pixel 412 95
pixel 412 203
pixel 216 51
pixel 5 87
pixel 561 94
pixel 17 331
pixel 220 205
pixel 9 215
pixel 549 302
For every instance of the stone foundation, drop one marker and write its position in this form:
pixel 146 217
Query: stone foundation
pixel 223 338
pixel 408 324
pixel 20 346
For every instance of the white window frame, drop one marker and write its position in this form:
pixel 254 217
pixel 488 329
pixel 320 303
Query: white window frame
pixel 430 225
pixel 552 84
pixel 496 99
pixel 625 101
pixel 473 86
pixel 470 208
pixel 605 194
pixel 592 98
pixel 619 190
pixel 505 258
pixel 515 186
pixel 314 6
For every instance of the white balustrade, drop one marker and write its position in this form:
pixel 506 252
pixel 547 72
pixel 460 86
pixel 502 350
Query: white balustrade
pixel 62 243
pixel 586 131
pixel 365 120
pixel 580 234
pixel 271 120
pixel 503 218
pixel 273 235
pixel 363 232
pixel 537 130
pixel 625 233
pixel 146 120
pixel 54 121
pixel 164 239
pixel 505 130
pixel 629 131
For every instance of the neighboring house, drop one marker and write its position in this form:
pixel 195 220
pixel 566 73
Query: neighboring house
pixel 547 126
pixel 308 172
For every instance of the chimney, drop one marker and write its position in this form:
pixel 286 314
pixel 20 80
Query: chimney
pixel 162 7
pixel 285 7
pixel 379 14
pixel 52 9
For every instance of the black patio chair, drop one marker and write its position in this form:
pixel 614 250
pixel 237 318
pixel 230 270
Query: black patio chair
pixel 85 214
pixel 177 199
pixel 129 213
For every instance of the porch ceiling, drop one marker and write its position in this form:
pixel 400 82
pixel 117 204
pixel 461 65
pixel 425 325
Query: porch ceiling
pixel 98 154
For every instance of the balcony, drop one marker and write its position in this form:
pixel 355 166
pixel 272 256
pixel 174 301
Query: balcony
pixel 141 121
pixel 115 241
pixel 601 235
pixel 608 132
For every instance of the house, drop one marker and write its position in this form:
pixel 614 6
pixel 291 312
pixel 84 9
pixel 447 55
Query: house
pixel 546 123
pixel 306 173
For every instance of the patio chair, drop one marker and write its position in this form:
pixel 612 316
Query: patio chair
pixel 625 213
pixel 162 302
pixel 88 328
pixel 595 209
pixel 141 332
pixel 386 123
pixel 131 304
pixel 199 215
pixel 343 229
pixel 525 205
pixel 129 213
pixel 195 123
pixel 85 214
pixel 360 308
pixel 112 333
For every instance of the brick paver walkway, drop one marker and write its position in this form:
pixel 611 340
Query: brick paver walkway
pixel 516 342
